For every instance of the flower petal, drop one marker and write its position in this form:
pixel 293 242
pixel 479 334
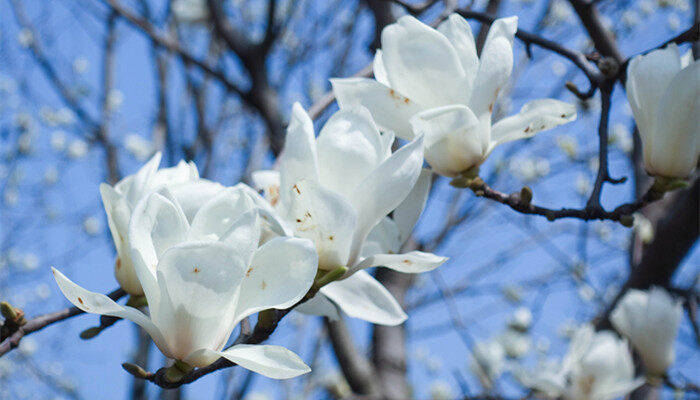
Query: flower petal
pixel 361 296
pixel 272 361
pixel 452 138
pixel 118 215
pixel 156 225
pixel 535 116
pixel 244 235
pixel 191 196
pixel 407 213
pixel 220 214
pixel 273 221
pixel 495 67
pixel 324 217
pixel 648 76
pixel 411 263
pixel 422 64
pixel 349 148
pixel 384 238
pixel 384 189
pixel 140 183
pixel 674 148
pixel 379 69
pixel 97 303
pixel 281 273
pixel 390 109
pixel 181 173
pixel 200 284
pixel 298 160
pixel 319 305
pixel 457 30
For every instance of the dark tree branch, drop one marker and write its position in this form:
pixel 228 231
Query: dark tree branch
pixel 356 369
pixel 42 321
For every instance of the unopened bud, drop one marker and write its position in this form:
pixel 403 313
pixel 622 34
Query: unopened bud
pixel 90 333
pixel 135 370
pixel 627 220
pixel 526 195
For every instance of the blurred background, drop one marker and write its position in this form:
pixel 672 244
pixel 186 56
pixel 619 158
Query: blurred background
pixel 90 89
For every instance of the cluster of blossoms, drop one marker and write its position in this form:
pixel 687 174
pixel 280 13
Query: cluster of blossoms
pixel 206 256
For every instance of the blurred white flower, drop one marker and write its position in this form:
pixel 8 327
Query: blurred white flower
pixel 441 390
pixel 11 196
pixel 650 320
pixel 51 175
pixel 115 98
pixel 58 140
pixel 643 228
pixel 630 18
pixel 647 7
pixel 139 147
pixel 568 145
pixel 91 225
pixel 191 11
pixel 622 138
pixel 521 319
pixel 80 65
pixel 583 185
pixel 559 68
pixel 77 149
pixel 674 22
pixel 28 346
pixel 516 343
pixel 30 262
pixel 488 362
pixel 604 231
pixel 25 37
pixel 586 292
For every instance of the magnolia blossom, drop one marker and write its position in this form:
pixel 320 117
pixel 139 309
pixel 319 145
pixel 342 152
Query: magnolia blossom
pixel 489 362
pixel 598 366
pixel 202 278
pixel 120 200
pixel 650 320
pixel 663 90
pixel 432 82
pixel 191 11
pixel 334 190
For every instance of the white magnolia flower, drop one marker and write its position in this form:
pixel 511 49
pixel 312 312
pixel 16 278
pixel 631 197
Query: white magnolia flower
pixel 598 366
pixel 139 147
pixel 435 80
pixel 191 11
pixel 516 343
pixel 663 90
pixel 489 362
pixel 202 278
pixel 77 149
pixel 337 190
pixel 120 200
pixel 521 319
pixel 650 320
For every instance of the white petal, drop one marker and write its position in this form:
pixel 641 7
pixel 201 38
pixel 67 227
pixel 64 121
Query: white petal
pixel 273 221
pixel 199 283
pixel 97 303
pixel 495 67
pixel 281 273
pixel 412 263
pixel 390 109
pixel 156 225
pixel 534 116
pixel 244 235
pixel 324 217
pixel 272 361
pixel 648 76
pixel 457 30
pixel 384 238
pixel 452 138
pixel 674 148
pixel 349 148
pixel 379 69
pixel 219 214
pixel 384 189
pixel 361 296
pixel 319 305
pixel 422 64
pixel 407 213
pixel 181 173
pixel 191 196
pixel 298 160
pixel 265 179
pixel 118 215
pixel 140 183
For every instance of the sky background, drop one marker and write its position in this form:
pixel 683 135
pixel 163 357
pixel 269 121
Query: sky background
pixel 51 213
